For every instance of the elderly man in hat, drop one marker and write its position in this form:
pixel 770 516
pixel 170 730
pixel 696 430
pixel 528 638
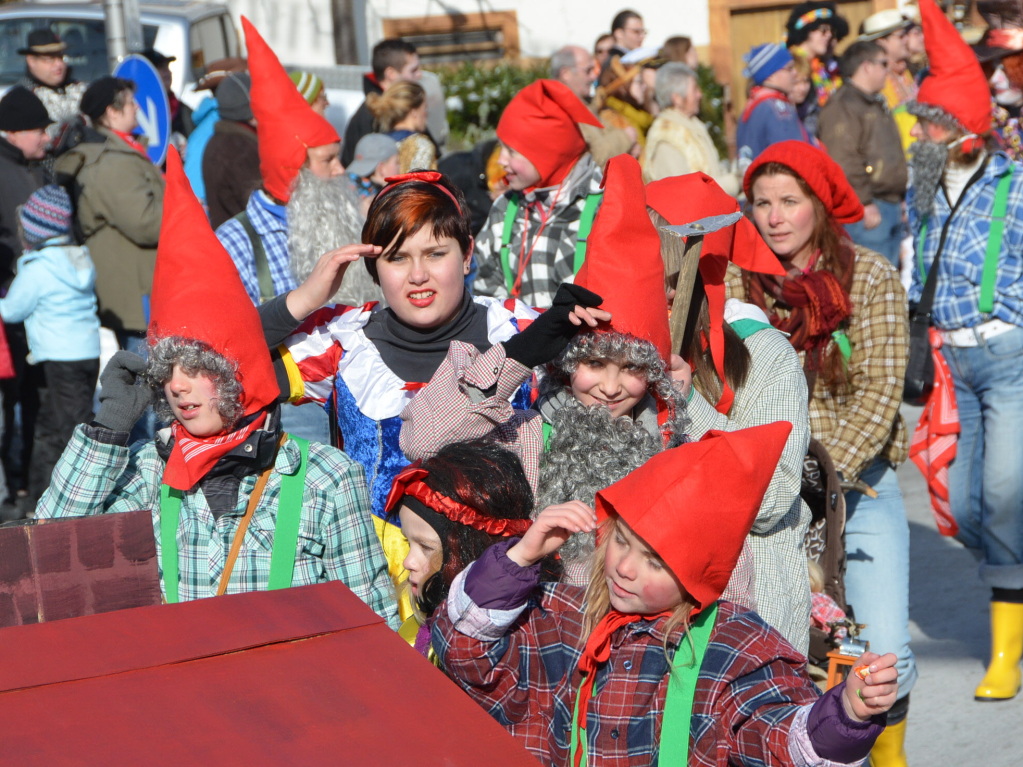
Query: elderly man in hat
pixel 49 77
pixel 890 29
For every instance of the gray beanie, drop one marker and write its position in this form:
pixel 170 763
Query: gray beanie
pixel 233 99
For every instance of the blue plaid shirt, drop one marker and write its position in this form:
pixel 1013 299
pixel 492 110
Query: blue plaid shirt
pixel 962 255
pixel 271 224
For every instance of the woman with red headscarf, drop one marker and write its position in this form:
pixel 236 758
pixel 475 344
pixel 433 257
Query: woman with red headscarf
pixel 845 312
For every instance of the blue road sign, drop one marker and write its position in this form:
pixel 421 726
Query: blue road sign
pixel 154 110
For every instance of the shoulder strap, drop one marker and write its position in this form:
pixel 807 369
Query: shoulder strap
pixel 986 303
pixel 585 225
pixel 289 515
pixel 170 512
pixel 266 283
pixel 510 214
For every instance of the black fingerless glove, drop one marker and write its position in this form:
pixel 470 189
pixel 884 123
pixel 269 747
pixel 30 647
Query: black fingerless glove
pixel 552 331
pixel 121 400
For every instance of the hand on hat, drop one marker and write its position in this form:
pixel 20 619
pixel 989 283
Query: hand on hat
pixel 574 309
pixel 122 399
pixel 325 279
pixel 552 527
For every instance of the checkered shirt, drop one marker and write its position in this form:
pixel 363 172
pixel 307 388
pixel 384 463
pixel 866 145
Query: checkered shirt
pixel 964 231
pixel 863 424
pixel 336 537
pixel 553 257
pixel 271 224
pixel 520 665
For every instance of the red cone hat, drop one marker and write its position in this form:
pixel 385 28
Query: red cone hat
pixel 956 83
pixel 286 124
pixel 198 294
pixel 685 199
pixel 695 504
pixel 623 258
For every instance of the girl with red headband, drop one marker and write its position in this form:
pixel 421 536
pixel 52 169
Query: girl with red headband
pixel 452 507
pixel 845 312
pixel 647 664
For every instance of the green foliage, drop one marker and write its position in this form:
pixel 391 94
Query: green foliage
pixel 712 108
pixel 477 93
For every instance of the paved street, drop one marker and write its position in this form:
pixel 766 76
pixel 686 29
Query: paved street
pixel 949 625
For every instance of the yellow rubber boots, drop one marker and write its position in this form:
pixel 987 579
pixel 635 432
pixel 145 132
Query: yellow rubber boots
pixel 890 747
pixel 1002 680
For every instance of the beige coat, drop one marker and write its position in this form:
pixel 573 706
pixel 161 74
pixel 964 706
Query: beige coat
pixel 676 145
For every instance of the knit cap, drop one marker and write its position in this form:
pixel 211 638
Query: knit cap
pixel 45 214
pixel 764 60
pixel 308 84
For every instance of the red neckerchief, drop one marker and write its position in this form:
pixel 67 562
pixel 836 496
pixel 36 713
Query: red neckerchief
pixel 526 256
pixel 131 141
pixel 192 457
pixel 758 96
pixel 595 654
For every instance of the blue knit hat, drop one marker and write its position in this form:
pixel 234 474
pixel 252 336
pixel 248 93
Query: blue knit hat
pixel 764 60
pixel 45 214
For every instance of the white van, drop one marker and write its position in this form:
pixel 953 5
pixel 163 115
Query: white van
pixel 193 32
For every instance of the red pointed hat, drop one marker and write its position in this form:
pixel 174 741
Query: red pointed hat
pixel 956 83
pixel 623 258
pixel 685 199
pixel 198 294
pixel 695 504
pixel 542 124
pixel 287 125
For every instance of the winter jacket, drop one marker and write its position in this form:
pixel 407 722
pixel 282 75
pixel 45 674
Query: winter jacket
pixel 764 122
pixel 677 144
pixel 230 169
pixel 19 177
pixel 360 123
pixel 53 295
pixel 61 102
pixel 205 118
pixel 862 137
pixel 119 195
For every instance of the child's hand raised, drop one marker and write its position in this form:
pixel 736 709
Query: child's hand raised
pixel 875 692
pixel 325 278
pixel 550 530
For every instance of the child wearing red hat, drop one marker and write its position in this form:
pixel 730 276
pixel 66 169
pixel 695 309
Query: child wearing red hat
pixel 647 664
pixel 535 237
pixel 238 504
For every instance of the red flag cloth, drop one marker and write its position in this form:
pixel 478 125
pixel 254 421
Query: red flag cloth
pixel 934 441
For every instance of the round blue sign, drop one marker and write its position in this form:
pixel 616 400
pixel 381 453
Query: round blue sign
pixel 154 110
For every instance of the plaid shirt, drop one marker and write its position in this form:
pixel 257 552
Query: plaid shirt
pixel 863 423
pixel 520 664
pixel 271 224
pixel 552 261
pixel 965 243
pixel 336 537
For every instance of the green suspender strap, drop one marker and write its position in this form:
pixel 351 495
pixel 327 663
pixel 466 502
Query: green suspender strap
pixel 673 749
pixel 986 302
pixel 548 432
pixel 285 545
pixel 585 226
pixel 266 283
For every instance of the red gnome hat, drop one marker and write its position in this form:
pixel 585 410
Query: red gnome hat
pixel 542 124
pixel 695 504
pixel 623 258
pixel 685 199
pixel 198 294
pixel 287 125
pixel 956 83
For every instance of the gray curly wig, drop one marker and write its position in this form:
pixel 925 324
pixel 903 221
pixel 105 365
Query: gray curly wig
pixel 194 357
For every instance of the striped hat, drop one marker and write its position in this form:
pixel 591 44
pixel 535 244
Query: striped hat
pixel 764 60
pixel 45 214
pixel 308 84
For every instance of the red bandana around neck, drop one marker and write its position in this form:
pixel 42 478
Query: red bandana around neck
pixel 192 457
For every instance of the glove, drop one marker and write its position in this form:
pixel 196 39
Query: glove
pixel 122 400
pixel 552 331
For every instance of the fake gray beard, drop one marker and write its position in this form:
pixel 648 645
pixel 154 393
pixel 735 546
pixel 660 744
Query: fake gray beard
pixel 323 214
pixel 927 165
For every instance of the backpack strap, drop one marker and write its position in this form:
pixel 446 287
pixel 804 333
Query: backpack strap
pixel 266 283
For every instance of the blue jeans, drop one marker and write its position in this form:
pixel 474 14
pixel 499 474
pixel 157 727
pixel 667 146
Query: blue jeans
pixel 877 568
pixel 884 238
pixel 309 421
pixel 986 478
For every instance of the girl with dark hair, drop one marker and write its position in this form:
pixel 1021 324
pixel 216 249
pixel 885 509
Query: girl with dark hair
pixel 452 507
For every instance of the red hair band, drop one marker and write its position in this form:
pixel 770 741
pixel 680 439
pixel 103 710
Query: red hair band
pixel 410 482
pixel 427 176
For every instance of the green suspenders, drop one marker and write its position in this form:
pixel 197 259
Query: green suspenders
pixel 282 555
pixel 585 226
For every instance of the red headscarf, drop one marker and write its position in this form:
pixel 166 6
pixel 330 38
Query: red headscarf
pixel 542 124
pixel 287 125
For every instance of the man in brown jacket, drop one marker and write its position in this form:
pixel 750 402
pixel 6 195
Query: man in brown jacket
pixel 860 134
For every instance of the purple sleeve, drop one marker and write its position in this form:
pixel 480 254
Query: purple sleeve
pixel 495 582
pixel 835 736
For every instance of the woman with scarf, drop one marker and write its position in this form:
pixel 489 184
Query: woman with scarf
pixel 238 504
pixel 845 312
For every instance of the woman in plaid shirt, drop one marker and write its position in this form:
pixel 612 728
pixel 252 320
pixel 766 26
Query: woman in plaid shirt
pixel 646 665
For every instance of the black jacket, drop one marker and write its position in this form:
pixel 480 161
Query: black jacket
pixel 18 179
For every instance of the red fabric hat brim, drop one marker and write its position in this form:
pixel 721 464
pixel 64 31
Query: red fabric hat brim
pixel 198 294
pixel 695 504
pixel 286 125
pixel 823 175
pixel 542 124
